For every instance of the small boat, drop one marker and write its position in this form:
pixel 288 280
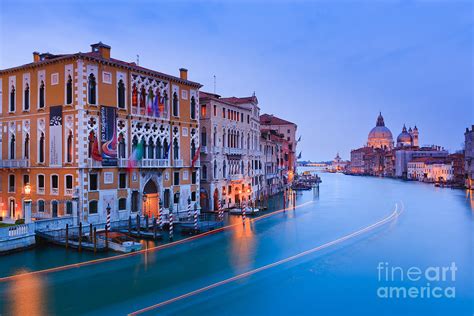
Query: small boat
pixel 248 211
pixel 122 243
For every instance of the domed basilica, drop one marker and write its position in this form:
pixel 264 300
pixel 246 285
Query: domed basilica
pixel 381 137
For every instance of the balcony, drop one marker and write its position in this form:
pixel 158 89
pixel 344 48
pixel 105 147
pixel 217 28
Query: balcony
pixel 204 149
pixel 145 163
pixel 14 163
pixel 91 163
pixel 233 151
pixel 178 163
pixel 216 150
pixel 235 177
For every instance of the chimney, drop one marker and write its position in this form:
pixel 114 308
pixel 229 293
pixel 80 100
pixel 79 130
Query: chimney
pixel 102 49
pixel 36 57
pixel 183 73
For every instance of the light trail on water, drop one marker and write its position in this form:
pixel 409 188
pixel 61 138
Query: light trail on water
pixel 394 215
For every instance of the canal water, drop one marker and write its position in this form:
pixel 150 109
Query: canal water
pixel 435 230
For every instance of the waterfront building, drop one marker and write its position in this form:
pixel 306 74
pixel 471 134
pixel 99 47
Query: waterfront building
pixel 230 154
pixel 430 169
pixel 288 131
pixel 406 154
pixel 408 138
pixel 358 164
pixel 469 157
pixel 380 136
pixel 272 160
pixel 337 165
pixel 84 133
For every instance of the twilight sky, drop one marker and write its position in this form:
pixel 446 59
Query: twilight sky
pixel 328 66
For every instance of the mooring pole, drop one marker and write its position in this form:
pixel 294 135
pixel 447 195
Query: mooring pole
pixel 138 225
pixel 154 228
pixel 129 225
pixel 80 237
pixel 67 236
pixel 95 239
pixel 106 237
pixel 146 222
pixel 90 231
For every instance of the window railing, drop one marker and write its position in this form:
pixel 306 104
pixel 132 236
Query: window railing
pixel 178 162
pixel 14 163
pixel 69 191
pixel 94 163
pixel 54 191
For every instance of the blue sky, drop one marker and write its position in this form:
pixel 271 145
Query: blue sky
pixel 329 66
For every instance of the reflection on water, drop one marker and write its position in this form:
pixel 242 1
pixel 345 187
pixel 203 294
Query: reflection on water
pixel 470 199
pixel 242 244
pixel 26 296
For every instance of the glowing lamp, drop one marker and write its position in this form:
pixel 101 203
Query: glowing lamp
pixel 28 189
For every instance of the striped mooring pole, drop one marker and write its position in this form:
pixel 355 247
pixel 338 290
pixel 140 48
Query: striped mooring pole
pixel 108 217
pixel 243 213
pixel 220 211
pixel 196 228
pixel 189 209
pixel 160 217
pixel 171 225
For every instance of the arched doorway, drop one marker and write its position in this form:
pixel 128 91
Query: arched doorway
pixel 151 198
pixel 204 200
pixel 216 199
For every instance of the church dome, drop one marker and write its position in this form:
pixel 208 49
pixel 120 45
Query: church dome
pixel 380 136
pixel 404 139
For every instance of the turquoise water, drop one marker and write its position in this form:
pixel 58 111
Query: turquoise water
pixel 435 229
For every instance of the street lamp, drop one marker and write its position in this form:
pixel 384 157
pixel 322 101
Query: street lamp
pixel 144 202
pixel 27 203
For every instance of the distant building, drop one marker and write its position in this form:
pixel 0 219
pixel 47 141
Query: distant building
pixel 288 131
pixel 408 138
pixel 404 155
pixel 272 160
pixel 358 163
pixel 380 136
pixel 338 165
pixel 469 157
pixel 431 169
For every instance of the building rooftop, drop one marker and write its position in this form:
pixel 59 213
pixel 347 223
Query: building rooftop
pixel 270 119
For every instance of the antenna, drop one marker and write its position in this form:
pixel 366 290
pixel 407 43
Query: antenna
pixel 214 84
pixel 138 60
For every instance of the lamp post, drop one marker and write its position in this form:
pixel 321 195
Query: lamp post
pixel 27 204
pixel 177 194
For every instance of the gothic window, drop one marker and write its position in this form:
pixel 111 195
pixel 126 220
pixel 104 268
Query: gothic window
pixel 92 89
pixel 69 149
pixel 175 149
pixel 166 149
pixel 69 90
pixel 193 149
pixel 214 138
pixel 91 140
pixel 215 170
pixel 27 147
pixel 193 108
pixel 41 95
pixel 121 146
pixel 142 98
pixel 121 94
pixel 26 97
pixel 12 99
pixel 134 143
pixel 12 147
pixel 134 96
pixel 41 148
pixel 151 149
pixel 159 150
pixel 224 169
pixel 175 104
pixel 203 110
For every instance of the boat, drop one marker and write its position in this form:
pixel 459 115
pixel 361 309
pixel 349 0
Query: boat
pixel 248 211
pixel 122 243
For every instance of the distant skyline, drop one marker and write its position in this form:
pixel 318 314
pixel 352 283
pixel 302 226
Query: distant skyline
pixel 330 67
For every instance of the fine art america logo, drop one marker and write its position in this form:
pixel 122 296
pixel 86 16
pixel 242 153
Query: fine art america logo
pixel 416 282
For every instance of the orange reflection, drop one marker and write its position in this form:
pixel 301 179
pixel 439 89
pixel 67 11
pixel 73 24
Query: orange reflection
pixel 26 295
pixel 470 198
pixel 242 245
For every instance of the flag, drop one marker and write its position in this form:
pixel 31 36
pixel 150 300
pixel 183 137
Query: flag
pixel 299 139
pixel 96 155
pixel 299 156
pixel 156 110
pixel 196 156
pixel 137 155
pixel 149 106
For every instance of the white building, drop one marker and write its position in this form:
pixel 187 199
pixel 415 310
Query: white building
pixel 231 167
pixel 430 170
pixel 404 155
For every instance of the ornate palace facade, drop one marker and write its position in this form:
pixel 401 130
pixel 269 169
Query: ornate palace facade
pixel 84 132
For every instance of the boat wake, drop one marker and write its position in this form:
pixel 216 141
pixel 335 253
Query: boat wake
pixel 390 218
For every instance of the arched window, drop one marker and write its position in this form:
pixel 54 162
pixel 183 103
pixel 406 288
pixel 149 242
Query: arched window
pixel 69 90
pixel 121 146
pixel 214 137
pixel 151 149
pixel 175 149
pixel 224 169
pixel 54 208
pixel 166 149
pixel 93 207
pixel 121 94
pixel 215 170
pixel 224 139
pixel 69 147
pixel 91 140
pixel 41 95
pixel 193 108
pixel 134 143
pixel 134 96
pixel 26 96
pixel 26 149
pixel 242 167
pixel 193 149
pixel 175 104
pixel 92 89
pixel 12 147
pixel 12 99
pixel 159 149
pixel 142 100
pixel 69 207
pixel 204 172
